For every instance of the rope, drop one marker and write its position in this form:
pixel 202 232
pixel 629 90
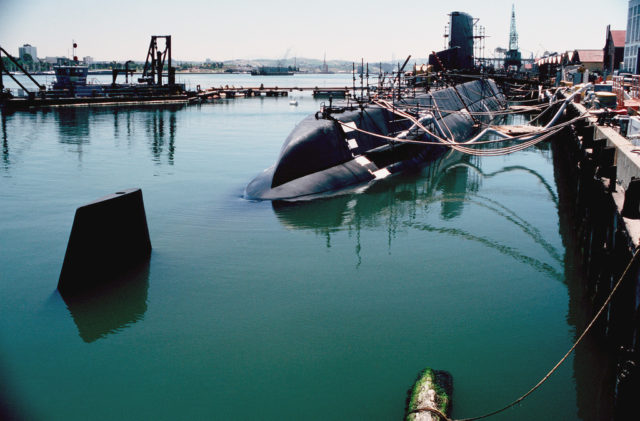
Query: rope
pixel 452 138
pixel 529 108
pixel 454 145
pixel 504 151
pixel 525 100
pixel 432 410
pixel 555 367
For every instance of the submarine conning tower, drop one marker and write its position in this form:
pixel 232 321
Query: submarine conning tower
pixel 461 36
pixel 459 54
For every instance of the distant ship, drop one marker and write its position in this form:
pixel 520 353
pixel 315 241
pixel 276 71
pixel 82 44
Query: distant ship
pixel 272 71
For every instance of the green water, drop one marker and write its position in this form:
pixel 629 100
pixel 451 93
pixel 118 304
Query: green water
pixel 325 310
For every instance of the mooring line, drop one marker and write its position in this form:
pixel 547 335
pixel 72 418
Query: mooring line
pixel 553 370
pixel 545 133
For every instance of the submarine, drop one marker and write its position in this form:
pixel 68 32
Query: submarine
pixel 357 143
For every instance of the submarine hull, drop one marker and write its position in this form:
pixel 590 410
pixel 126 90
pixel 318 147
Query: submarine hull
pixel 322 156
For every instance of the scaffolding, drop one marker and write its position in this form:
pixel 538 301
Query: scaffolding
pixel 629 84
pixel 479 37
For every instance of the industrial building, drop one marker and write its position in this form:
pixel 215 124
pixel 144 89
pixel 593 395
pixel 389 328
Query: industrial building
pixel 613 50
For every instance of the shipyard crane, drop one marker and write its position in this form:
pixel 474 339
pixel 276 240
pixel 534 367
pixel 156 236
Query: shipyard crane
pixel 126 72
pixel 154 64
pixel 512 58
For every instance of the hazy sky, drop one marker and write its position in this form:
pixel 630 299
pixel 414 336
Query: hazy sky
pixel 346 29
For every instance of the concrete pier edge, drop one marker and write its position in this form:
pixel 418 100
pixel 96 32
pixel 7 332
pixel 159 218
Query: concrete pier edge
pixel 607 177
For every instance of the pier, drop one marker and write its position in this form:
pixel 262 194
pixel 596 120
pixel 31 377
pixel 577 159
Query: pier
pixel 275 91
pixel 600 171
pixel 28 103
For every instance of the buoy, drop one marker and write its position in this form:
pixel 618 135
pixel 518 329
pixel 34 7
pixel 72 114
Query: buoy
pixel 430 396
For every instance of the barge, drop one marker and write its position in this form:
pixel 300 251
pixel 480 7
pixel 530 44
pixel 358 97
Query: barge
pixel 72 89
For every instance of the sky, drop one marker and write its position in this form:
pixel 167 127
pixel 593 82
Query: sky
pixel 351 30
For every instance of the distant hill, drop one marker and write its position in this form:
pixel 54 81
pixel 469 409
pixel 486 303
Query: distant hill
pixel 312 65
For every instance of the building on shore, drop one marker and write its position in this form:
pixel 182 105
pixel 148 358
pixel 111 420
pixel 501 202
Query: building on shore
pixel 632 41
pixel 592 60
pixel 613 50
pixel 58 60
pixel 28 49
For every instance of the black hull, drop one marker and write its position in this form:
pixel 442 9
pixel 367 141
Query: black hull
pixel 320 157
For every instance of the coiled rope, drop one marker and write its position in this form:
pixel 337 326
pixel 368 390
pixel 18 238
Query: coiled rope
pixel 555 367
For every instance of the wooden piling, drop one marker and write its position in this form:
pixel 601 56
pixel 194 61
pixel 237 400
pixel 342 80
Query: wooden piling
pixel 605 177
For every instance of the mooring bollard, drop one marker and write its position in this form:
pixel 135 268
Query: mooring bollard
pixel 108 237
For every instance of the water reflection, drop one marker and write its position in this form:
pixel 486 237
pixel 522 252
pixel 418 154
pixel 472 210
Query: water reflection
pixel 451 182
pixel 5 142
pixel 77 127
pixel 73 125
pixel 161 136
pixel 112 308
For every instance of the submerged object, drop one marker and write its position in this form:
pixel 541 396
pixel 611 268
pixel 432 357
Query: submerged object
pixel 109 236
pixel 345 146
pixel 430 396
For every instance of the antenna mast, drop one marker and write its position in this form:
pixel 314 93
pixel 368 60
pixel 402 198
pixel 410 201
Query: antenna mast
pixel 513 35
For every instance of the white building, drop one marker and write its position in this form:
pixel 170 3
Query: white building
pixel 632 41
pixel 87 60
pixel 55 60
pixel 28 49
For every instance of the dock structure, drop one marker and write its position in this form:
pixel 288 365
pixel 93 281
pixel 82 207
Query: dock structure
pixel 275 91
pixel 600 171
pixel 37 102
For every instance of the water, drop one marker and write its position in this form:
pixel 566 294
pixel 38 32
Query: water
pixel 320 310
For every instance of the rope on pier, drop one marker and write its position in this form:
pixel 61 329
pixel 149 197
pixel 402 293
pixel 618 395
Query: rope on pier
pixel 559 363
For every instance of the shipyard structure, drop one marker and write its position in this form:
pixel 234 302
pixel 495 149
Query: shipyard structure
pixel 454 106
pixel 157 84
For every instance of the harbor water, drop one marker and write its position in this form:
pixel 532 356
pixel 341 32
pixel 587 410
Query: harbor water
pixel 321 310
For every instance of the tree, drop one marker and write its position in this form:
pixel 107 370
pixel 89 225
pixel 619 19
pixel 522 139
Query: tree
pixel 8 64
pixel 28 61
